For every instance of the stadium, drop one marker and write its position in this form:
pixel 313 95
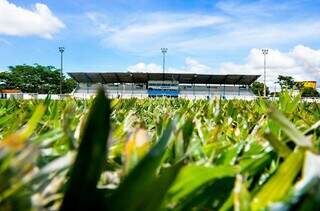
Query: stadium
pixel 93 118
pixel 143 85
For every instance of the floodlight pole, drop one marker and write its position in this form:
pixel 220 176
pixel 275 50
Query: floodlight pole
pixel 265 52
pixel 164 51
pixel 61 50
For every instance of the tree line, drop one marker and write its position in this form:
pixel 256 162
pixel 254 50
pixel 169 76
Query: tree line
pixel 286 83
pixel 35 79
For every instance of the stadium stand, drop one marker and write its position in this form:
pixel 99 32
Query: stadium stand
pixel 142 85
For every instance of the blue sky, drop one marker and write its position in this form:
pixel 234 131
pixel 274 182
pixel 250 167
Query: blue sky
pixel 203 36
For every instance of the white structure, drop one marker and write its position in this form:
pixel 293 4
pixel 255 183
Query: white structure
pixel 142 85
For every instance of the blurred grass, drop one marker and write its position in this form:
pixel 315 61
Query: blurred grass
pixel 159 154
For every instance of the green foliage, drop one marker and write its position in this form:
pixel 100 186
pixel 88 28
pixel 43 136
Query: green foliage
pixel 278 185
pixel 90 159
pixel 185 155
pixel 143 181
pixel 35 79
pixel 258 88
pixel 309 92
pixel 286 82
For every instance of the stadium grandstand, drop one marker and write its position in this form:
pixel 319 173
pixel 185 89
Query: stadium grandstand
pixel 142 85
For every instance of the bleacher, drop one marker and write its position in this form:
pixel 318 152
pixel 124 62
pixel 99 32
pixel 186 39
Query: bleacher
pixel 120 85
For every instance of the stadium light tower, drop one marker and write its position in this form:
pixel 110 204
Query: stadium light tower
pixel 61 50
pixel 265 52
pixel 164 51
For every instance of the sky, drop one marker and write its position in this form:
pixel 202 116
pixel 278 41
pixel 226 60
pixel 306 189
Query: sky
pixel 202 36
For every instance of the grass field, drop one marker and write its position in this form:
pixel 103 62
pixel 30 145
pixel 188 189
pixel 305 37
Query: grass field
pixel 160 154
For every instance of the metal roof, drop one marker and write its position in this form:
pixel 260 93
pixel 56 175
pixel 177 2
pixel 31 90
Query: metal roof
pixel 136 77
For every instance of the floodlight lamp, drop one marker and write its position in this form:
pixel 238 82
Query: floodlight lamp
pixel 61 49
pixel 164 50
pixel 265 51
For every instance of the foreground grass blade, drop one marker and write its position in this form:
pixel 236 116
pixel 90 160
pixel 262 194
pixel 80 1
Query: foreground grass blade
pixel 85 173
pixel 306 195
pixel 281 148
pixel 314 127
pixel 17 139
pixel 141 184
pixel 278 185
pixel 193 177
pixel 241 195
pixel 290 129
pixel 307 190
pixel 187 133
pixel 154 199
pixel 209 196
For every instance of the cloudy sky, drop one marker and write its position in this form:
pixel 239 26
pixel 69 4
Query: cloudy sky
pixel 203 36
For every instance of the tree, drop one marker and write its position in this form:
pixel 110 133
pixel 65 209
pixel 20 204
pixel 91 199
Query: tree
pixel 299 85
pixel 286 82
pixel 310 92
pixel 258 88
pixel 35 79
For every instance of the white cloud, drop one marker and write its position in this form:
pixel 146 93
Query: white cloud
pixel 275 59
pixel 4 42
pixel 18 21
pixel 309 58
pixel 138 32
pixel 302 63
pixel 166 23
pixel 233 25
pixel 145 68
pixel 194 66
pixel 256 8
pixel 239 35
pixel 191 66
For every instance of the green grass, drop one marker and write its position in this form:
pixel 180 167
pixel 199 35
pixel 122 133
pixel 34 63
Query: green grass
pixel 160 154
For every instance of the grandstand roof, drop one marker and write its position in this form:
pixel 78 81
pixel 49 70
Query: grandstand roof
pixel 128 77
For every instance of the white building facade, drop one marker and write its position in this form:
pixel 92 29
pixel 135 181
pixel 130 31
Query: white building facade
pixel 143 85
